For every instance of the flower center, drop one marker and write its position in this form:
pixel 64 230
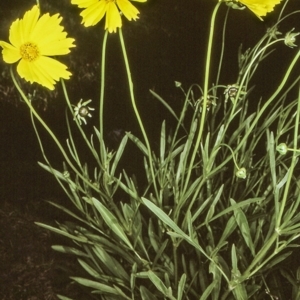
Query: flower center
pixel 29 51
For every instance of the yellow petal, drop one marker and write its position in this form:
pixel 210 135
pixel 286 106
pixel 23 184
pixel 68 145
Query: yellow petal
pixel 10 53
pixel 44 71
pixel 260 7
pixel 94 13
pixel 113 18
pixel 61 47
pixel 84 3
pixel 129 11
pixel 28 23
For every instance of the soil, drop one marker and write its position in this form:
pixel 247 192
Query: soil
pixel 29 268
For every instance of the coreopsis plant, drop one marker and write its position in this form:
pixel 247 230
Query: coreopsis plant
pixel 218 214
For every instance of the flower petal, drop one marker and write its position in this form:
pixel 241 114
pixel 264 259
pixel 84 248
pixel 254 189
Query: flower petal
pixel 19 32
pixel 129 11
pixel 260 7
pixel 84 3
pixel 44 71
pixel 10 53
pixel 113 18
pixel 94 13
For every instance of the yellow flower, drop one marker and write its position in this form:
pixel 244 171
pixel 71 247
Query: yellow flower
pixel 96 9
pixel 259 7
pixel 32 40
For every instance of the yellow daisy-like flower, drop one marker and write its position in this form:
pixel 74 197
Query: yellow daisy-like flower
pixel 259 7
pixel 32 40
pixel 95 10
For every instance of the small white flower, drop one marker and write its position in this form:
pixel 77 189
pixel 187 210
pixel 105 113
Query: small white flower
pixel 82 110
pixel 290 38
pixel 231 91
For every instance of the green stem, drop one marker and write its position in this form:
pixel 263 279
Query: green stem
pixel 205 91
pixel 259 256
pixel 102 87
pixel 293 163
pixel 262 110
pixel 130 83
pixel 89 144
pixel 34 112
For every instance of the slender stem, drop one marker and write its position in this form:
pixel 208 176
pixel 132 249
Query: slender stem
pixel 89 144
pixel 34 112
pixel 130 83
pixel 263 108
pixel 293 163
pixel 260 255
pixel 205 91
pixel 102 87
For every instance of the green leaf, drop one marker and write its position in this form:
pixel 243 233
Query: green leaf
pixel 81 238
pixel 237 287
pixel 118 155
pixel 208 291
pixel 159 284
pixel 236 206
pixel 69 250
pixel 229 228
pixel 146 294
pixel 163 141
pixel 88 268
pixel 111 263
pixel 102 288
pixel 276 261
pixel 242 222
pixel 178 233
pixel 138 143
pixel 181 286
pixel 111 221
pixel 60 297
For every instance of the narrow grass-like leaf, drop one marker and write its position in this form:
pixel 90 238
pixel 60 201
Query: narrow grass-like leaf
pixel 53 171
pixel 181 286
pixel 88 268
pixel 276 260
pixel 167 220
pixel 208 291
pixel 100 287
pixel 169 108
pixel 138 143
pixel 238 288
pixel 61 297
pixel 111 263
pixel 234 261
pixel 242 222
pixel 111 221
pixel 236 206
pixel 67 211
pixel 69 250
pixel 146 294
pixel 217 277
pixel 229 228
pixel 163 141
pixel 158 283
pixel 118 155
pixel 81 238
